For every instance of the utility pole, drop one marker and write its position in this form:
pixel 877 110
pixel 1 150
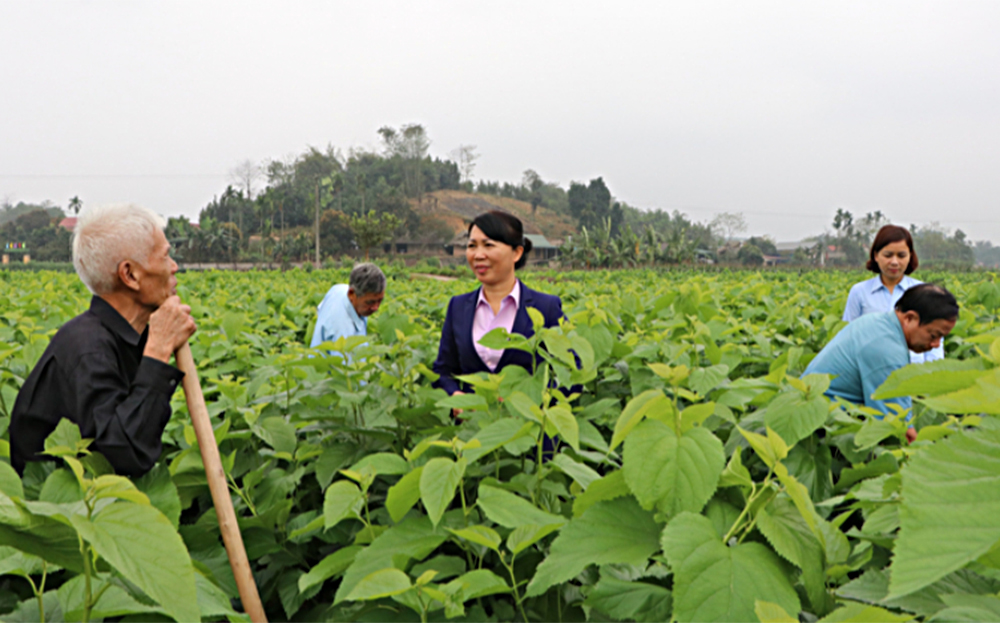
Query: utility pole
pixel 317 224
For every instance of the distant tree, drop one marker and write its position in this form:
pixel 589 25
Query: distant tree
pixel 728 224
pixel 245 176
pixel 938 248
pixel 371 229
pixel 410 143
pixel 465 156
pixel 532 182
pixel 75 205
pixel 763 243
pixel 590 205
pixel 750 255
pixel 986 254
pixel 335 230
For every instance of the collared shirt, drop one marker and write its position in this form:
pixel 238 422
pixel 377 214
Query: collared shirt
pixel 94 374
pixel 485 321
pixel 337 318
pixel 862 356
pixel 872 297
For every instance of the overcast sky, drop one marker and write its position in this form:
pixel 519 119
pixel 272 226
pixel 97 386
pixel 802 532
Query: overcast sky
pixel 784 111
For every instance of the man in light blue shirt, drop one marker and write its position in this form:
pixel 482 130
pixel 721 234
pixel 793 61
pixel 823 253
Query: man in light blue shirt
pixel 345 309
pixel 872 296
pixel 868 350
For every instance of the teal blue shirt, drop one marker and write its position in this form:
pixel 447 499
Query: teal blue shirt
pixel 862 356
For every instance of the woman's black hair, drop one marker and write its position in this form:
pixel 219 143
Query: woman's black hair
pixel 506 228
pixel 930 301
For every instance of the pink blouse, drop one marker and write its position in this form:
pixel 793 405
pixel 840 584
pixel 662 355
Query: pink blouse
pixel 485 321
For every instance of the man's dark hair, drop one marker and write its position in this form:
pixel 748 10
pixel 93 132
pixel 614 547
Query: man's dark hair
pixel 930 301
pixel 506 228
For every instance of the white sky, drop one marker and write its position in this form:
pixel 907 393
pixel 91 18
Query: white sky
pixel 782 110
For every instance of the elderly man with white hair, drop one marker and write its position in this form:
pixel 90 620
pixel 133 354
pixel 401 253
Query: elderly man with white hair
pixel 344 310
pixel 108 370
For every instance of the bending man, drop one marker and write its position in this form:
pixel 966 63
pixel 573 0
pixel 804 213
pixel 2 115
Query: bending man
pixel 107 370
pixel 345 309
pixel 869 349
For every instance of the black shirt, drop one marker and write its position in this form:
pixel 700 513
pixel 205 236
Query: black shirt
pixel 94 374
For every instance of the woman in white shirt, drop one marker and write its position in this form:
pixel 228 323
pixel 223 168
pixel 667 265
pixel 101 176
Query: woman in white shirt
pixel 892 259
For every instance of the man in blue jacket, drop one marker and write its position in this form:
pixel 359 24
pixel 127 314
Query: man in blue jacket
pixel 865 352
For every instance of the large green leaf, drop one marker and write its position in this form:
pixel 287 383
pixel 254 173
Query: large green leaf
pixel 931 379
pixel 342 500
pixel 39 535
pixel 714 582
pixel 15 562
pixel 382 463
pixel 649 401
pixel 873 586
pixel 10 482
pixel 478 583
pixel 794 415
pixel 565 422
pixel 580 472
pixel 948 516
pixel 609 487
pixel 789 534
pixel 494 436
pixel 114 601
pixel 981 397
pixel 438 482
pixel 332 565
pixel 278 433
pixel 615 531
pixel 670 473
pixel 333 458
pixel 381 583
pixel 142 545
pixel 510 510
pixel 861 613
pixel 403 495
pixel 633 601
pixel 413 538
pixel 162 492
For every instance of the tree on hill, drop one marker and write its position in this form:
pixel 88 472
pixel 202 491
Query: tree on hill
pixel 532 182
pixel 465 156
pixel 591 206
pixel 371 229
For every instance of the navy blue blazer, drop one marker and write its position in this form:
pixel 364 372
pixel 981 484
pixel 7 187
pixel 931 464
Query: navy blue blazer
pixel 457 353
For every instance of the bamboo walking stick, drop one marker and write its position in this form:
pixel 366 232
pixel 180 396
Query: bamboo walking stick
pixel 217 484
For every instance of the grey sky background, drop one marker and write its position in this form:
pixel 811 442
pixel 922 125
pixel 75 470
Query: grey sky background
pixel 784 111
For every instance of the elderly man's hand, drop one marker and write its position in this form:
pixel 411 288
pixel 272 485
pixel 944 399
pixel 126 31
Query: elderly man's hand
pixel 170 326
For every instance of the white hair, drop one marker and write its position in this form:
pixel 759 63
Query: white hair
pixel 106 235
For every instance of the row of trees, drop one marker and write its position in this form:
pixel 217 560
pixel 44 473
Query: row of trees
pixel 37 227
pixel 324 203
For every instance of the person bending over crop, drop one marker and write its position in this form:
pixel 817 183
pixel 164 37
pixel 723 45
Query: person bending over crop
pixel 344 310
pixel 107 370
pixel 892 259
pixel 869 349
pixel 495 250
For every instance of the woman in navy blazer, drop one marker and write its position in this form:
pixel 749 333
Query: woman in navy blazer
pixel 496 248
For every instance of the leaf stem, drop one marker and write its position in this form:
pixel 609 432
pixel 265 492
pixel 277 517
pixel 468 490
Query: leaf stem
pixel 754 494
pixel 513 584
